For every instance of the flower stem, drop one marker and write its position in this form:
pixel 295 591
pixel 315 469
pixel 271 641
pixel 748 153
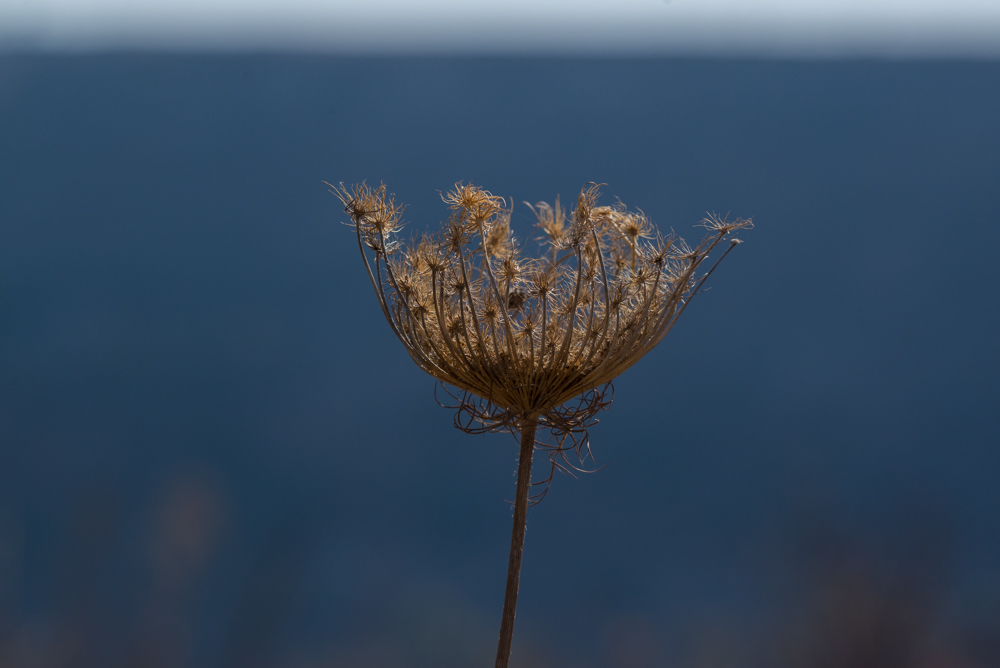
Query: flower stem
pixel 528 426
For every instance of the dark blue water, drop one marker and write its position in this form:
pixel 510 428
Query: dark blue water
pixel 214 453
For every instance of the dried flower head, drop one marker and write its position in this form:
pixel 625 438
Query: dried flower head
pixel 536 339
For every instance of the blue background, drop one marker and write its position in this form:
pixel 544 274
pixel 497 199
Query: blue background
pixel 214 453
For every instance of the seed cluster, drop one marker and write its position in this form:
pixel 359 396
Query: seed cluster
pixel 525 338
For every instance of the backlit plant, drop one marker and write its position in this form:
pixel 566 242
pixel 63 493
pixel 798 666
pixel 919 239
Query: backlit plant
pixel 530 345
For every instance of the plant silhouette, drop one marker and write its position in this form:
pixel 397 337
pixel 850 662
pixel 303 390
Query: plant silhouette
pixel 525 344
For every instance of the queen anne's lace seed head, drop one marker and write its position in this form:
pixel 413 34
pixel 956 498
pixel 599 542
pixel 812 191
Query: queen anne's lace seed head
pixel 520 338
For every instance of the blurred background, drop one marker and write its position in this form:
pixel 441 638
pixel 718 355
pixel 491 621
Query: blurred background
pixel 213 452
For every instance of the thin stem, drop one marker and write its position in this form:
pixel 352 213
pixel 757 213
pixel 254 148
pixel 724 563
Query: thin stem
pixel 528 426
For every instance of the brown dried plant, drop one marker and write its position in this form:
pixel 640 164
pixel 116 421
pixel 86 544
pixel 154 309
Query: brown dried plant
pixel 524 344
